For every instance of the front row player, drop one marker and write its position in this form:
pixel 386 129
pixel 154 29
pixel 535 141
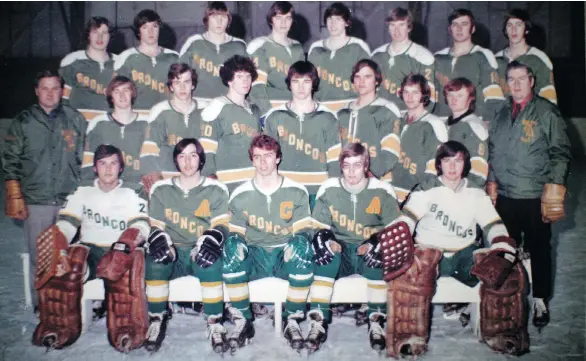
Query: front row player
pixel 113 223
pixel 446 210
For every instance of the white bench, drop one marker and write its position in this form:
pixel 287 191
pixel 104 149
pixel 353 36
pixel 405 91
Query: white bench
pixel 352 289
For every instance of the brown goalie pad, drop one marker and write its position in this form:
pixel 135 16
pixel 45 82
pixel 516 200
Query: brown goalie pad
pixel 397 250
pixel 503 312
pixel 51 255
pixel 60 303
pixel 409 302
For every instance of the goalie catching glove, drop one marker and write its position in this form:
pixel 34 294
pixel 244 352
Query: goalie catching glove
pixel 159 247
pixel 208 248
pixel 494 269
pixel 321 244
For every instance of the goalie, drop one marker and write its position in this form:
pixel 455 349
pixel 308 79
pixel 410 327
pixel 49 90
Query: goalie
pixel 446 210
pixel 114 224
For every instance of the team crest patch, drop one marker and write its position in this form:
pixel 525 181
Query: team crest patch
pixel 528 130
pixel 69 137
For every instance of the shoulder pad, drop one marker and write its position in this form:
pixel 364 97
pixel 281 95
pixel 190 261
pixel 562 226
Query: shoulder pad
pixel 72 57
pixel 216 183
pixel 288 183
pixel 244 187
pixel 114 57
pixel 158 184
pixel 487 54
pixel 123 56
pixel 378 184
pixel 381 49
pixel 211 112
pixel 382 102
pixel 329 183
pixel 188 43
pixel 421 54
pixel 169 51
pixel 157 109
pixel 281 107
pixel 444 51
pixel 360 42
pixel 439 128
pixel 256 44
pixel 94 122
pixel 477 126
pixel 542 56
pixel 317 44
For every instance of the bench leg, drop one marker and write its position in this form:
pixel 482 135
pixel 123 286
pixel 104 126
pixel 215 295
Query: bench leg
pixel 28 299
pixel 278 318
pixel 86 314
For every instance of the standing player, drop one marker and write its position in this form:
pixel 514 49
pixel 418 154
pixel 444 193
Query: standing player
pixel 235 121
pixel 421 134
pixel 467 60
pixel 123 128
pixel 515 28
pixel 88 72
pixel 206 52
pixel 335 56
pixel 189 216
pixel 273 55
pixel 306 130
pixel 112 223
pixel 402 57
pixel 148 63
pixel 349 212
pixel 372 121
pixel 269 214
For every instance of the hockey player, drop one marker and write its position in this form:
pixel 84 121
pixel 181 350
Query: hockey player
pixel 349 212
pixel 273 55
pixel 113 224
pixel 467 60
pixel 148 63
pixel 402 57
pixel 467 128
pixel 88 72
pixel 372 121
pixel 421 133
pixel 306 130
pixel 444 212
pixel 189 216
pixel 235 121
pixel 205 53
pixel 269 216
pixel 123 128
pixel 516 27
pixel 529 152
pixel 334 57
pixel 172 120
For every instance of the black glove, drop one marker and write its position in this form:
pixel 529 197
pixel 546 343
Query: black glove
pixel 323 254
pixel 159 246
pixel 373 257
pixel 208 248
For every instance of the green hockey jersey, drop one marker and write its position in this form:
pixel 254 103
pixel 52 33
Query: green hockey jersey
pixel 353 218
pixel 128 138
pixel 207 58
pixel 395 67
pixel 480 67
pixel 86 81
pixel 186 214
pixel 376 126
pixel 542 69
pixel 272 61
pixel 469 130
pixel 234 127
pixel 269 220
pixel 310 144
pixel 148 73
pixel 335 69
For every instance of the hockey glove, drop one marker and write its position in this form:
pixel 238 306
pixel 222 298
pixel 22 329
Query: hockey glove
pixel 208 248
pixel 373 257
pixel 321 244
pixel 552 202
pixel 15 206
pixel 494 269
pixel 159 245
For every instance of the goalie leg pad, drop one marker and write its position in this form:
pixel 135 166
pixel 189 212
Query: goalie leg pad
pixel 409 303
pixel 60 303
pixel 503 313
pixel 127 317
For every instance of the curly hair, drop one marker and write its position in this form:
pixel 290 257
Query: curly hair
pixel 235 64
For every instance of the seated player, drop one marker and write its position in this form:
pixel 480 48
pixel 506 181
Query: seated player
pixel 114 225
pixel 302 121
pixel 349 212
pixel 189 218
pixel 269 216
pixel 444 211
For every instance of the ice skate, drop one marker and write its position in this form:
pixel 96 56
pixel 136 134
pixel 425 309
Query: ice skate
pixel 318 331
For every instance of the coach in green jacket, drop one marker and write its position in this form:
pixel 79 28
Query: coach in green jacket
pixel 529 152
pixel 42 159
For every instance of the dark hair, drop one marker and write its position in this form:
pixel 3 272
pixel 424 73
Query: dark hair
pixel 378 76
pixel 106 150
pixel 450 149
pixel 417 79
pixel 398 14
pixel 338 9
pixel 184 143
pixel 456 84
pixel 48 73
pixel 143 17
pixel 517 14
pixel 300 69
pixel 175 70
pixel 279 8
pixel 355 150
pixel 462 12
pixel 119 80
pixel 235 64
pixel 216 7
pixel 95 23
pixel 265 142
pixel 517 65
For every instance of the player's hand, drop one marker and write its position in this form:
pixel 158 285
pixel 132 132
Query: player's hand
pixel 149 179
pixel 372 256
pixel 159 247
pixel 324 245
pixel 208 248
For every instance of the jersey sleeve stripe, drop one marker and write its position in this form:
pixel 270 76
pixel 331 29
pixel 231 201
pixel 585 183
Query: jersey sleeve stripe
pixel 66 91
pixel 149 148
pixel 319 225
pixel 433 92
pixel 388 178
pixel 69 217
pixel 549 93
pixel 156 223
pixel 88 159
pixel 494 229
pixel 479 167
pixel 235 175
pixel 302 224
pixel 306 178
pixel 236 229
pixel 69 229
pixel 333 153
pixel 493 92
pixel 391 143
pixel 209 146
pixel 430 167
pixel 222 219
pixel 261 79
